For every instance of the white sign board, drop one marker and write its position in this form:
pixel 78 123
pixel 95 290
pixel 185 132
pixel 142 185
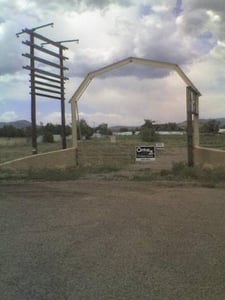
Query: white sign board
pixel 160 146
pixel 145 153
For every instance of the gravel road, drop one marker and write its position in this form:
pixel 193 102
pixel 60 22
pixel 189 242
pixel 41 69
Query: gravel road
pixel 100 239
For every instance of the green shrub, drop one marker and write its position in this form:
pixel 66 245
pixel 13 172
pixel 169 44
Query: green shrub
pixel 149 135
pixel 48 137
pixel 148 132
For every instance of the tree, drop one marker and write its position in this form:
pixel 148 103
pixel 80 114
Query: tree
pixel 68 130
pixel 123 129
pixel 171 126
pixel 50 129
pixel 28 131
pixel 103 129
pixel 212 126
pixel 85 129
pixel 11 131
pixel 148 133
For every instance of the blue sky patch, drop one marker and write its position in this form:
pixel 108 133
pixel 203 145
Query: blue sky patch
pixel 205 41
pixel 145 9
pixel 178 8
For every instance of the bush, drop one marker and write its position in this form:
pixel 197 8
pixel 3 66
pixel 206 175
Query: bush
pixel 48 137
pixel 149 135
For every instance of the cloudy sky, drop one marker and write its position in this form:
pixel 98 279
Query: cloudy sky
pixel 190 33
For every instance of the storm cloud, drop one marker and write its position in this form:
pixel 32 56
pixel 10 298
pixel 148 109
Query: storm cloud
pixel 190 33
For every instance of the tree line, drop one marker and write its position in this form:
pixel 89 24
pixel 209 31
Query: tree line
pixel 85 131
pixel 47 131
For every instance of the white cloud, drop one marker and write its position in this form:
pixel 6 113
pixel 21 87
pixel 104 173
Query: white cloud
pixel 10 59
pixel 210 105
pixel 8 116
pixel 208 75
pixel 14 87
pixel 111 119
pixel 54 118
pixel 131 100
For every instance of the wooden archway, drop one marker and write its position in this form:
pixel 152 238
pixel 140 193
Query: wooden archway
pixel 192 96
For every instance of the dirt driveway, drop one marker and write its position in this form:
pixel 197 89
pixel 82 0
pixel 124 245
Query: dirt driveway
pixel 101 239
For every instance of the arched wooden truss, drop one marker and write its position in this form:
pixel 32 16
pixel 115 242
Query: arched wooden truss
pixel 192 95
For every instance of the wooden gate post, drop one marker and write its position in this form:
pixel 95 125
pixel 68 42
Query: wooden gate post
pixel 196 120
pixel 190 154
pixel 74 123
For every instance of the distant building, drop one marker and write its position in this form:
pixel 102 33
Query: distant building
pixel 221 131
pixel 97 135
pixel 125 133
pixel 57 138
pixel 171 132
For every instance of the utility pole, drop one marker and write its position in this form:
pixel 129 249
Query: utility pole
pixel 63 120
pixel 32 81
pixel 46 75
pixel 33 98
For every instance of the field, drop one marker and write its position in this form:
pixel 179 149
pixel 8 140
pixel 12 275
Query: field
pixel 8 153
pixel 144 231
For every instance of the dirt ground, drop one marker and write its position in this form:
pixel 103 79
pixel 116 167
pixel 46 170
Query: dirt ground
pixel 95 239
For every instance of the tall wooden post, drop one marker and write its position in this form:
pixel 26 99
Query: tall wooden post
pixel 63 119
pixel 45 83
pixel 190 154
pixel 33 96
pixel 74 123
pixel 196 120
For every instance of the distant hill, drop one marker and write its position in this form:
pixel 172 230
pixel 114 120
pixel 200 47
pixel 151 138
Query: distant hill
pixel 17 124
pixel 181 124
pixel 203 121
pixel 221 120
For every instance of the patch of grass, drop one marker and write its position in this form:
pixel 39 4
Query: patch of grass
pixel 40 175
pixel 12 152
pixel 6 175
pixel 213 141
pixel 207 177
pixel 54 174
